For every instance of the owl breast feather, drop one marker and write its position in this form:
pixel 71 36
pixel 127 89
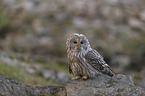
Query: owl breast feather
pixel 79 66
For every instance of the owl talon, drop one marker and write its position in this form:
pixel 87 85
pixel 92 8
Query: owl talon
pixel 76 78
pixel 84 77
pixel 73 78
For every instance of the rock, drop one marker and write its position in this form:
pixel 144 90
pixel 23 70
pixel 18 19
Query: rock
pixel 7 60
pixel 120 61
pixel 139 78
pixel 9 87
pixel 135 23
pixel 142 15
pixel 62 78
pixel 80 23
pixel 119 85
pixel 39 27
pixel 49 74
pixel 55 76
pixel 44 91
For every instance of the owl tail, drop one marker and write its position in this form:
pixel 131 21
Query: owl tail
pixel 107 70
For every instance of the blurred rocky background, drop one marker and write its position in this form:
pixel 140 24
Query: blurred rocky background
pixel 33 35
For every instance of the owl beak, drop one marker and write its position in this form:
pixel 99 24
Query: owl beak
pixel 79 46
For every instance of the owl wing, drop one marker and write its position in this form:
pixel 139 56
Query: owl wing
pixel 69 69
pixel 98 63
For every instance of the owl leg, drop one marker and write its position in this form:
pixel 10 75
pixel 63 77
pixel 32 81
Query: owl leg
pixel 84 77
pixel 75 78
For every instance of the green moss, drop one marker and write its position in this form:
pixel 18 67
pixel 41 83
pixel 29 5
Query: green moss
pixel 137 77
pixel 59 67
pixel 3 21
pixel 56 66
pixel 50 65
pixel 21 75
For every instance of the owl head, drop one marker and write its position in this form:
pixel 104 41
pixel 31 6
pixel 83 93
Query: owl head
pixel 77 42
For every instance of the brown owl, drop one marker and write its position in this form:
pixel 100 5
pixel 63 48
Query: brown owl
pixel 84 62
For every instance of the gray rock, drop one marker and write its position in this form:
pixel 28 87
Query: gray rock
pixel 55 76
pixel 135 23
pixel 7 60
pixel 119 85
pixel 142 15
pixel 9 87
pixel 49 74
pixel 62 78
pixel 120 61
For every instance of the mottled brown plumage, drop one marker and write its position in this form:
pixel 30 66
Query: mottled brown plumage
pixel 84 62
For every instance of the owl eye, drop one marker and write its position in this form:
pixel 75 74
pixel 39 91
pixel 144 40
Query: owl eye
pixel 82 42
pixel 75 42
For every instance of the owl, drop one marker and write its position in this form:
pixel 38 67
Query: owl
pixel 84 62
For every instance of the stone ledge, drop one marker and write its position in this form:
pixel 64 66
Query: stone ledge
pixel 119 85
